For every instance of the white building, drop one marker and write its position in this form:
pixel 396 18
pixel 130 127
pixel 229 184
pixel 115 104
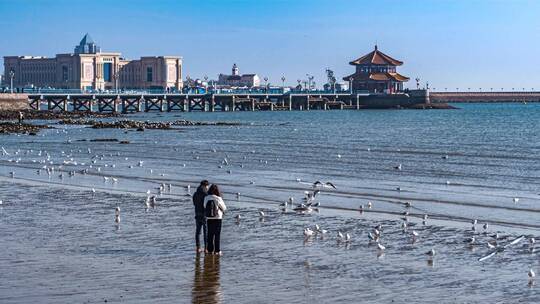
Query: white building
pixel 237 80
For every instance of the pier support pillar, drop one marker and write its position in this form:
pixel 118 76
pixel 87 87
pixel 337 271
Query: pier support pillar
pixel 290 103
pixel 307 103
pixel 357 102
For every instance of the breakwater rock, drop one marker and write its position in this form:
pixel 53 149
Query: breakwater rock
pixel 13 127
pixel 141 125
pixel 50 115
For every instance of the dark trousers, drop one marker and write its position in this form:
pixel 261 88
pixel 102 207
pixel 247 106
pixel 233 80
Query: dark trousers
pixel 201 223
pixel 214 235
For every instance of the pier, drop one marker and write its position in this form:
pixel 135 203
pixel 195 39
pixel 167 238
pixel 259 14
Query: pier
pixel 202 102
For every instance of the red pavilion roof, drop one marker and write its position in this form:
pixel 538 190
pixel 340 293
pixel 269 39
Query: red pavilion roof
pixel 376 57
pixel 377 77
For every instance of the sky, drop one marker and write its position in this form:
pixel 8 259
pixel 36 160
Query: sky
pixel 450 44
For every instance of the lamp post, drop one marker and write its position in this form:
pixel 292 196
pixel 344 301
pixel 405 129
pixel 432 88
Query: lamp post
pixel 11 75
pixel 206 82
pixel 351 84
pixel 115 76
pixel 283 82
pixel 417 83
pixel 299 83
pixel 266 84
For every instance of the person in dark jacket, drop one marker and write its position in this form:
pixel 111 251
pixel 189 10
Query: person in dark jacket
pixel 200 219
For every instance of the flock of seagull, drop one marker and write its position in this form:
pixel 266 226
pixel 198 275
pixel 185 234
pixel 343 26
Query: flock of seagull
pixel 308 202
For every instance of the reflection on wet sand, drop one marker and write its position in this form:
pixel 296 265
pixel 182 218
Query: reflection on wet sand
pixel 206 285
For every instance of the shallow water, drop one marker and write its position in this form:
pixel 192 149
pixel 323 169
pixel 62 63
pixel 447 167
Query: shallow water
pixel 61 244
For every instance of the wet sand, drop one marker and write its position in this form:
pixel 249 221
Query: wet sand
pixel 61 244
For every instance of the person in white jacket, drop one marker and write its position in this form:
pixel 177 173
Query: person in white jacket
pixel 214 209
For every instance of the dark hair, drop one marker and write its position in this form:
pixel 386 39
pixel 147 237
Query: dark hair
pixel 204 183
pixel 214 190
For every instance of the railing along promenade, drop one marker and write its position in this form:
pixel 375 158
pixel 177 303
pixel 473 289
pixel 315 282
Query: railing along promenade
pixel 489 96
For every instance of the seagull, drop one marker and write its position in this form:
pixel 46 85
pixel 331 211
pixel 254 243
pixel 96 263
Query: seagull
pixel 492 245
pixel 373 237
pixel 408 205
pixel 339 236
pixel 516 200
pixel 261 214
pixel 486 226
pixel 347 237
pixel 324 185
pixel 12 174
pixel 431 252
pixel 445 157
pixel 147 202
pixel 380 247
pixel 369 205
pixel 308 232
pixel 531 274
pixel 238 217
pixel 398 167
pixel 117 215
pixel 471 241
pixel 93 191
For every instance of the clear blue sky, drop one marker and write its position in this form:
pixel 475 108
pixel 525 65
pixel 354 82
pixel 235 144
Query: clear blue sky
pixel 460 43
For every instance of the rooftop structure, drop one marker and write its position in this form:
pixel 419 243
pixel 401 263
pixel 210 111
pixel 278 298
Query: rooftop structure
pixel 376 73
pixel 237 80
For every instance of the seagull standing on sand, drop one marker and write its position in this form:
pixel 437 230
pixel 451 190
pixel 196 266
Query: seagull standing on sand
pixel 117 215
pixel 431 253
pixel 339 236
pixel 308 233
pixel 398 167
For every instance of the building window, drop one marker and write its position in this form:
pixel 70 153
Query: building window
pixel 149 74
pixel 64 73
pixel 107 72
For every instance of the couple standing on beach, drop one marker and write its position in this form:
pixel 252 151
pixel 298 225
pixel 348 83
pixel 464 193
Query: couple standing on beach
pixel 209 209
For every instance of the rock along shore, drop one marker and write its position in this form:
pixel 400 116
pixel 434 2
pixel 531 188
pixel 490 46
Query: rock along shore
pixel 50 115
pixel 14 127
pixel 141 125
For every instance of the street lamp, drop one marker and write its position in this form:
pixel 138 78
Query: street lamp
pixel 299 83
pixel 351 84
pixel 115 76
pixel 11 75
pixel 266 83
pixel 283 81
pixel 206 82
pixel 310 78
